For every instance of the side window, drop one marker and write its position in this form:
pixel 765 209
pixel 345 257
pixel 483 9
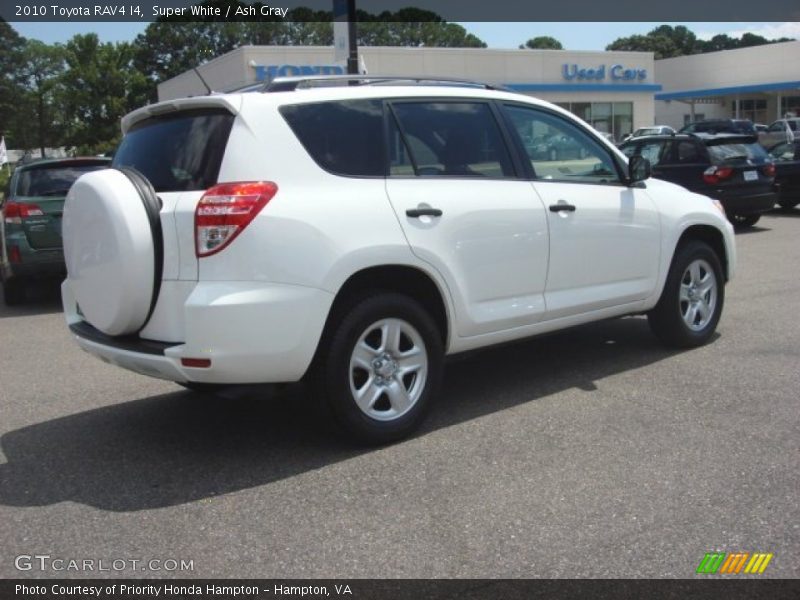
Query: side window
pixel 558 149
pixel 792 125
pixel 777 126
pixel 782 152
pixel 654 152
pixel 451 139
pixel 631 150
pixel 687 152
pixel 345 138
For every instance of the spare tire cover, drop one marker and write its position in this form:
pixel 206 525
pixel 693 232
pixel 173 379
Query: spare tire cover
pixel 109 251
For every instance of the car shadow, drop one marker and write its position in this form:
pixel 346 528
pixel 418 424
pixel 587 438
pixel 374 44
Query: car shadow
pixel 786 212
pixel 42 297
pixel 753 229
pixel 182 447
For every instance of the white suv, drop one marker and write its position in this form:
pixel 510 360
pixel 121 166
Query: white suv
pixel 357 234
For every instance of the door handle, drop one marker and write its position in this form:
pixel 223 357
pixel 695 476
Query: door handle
pixel 562 207
pixel 423 212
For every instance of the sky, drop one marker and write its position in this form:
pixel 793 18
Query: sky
pixel 573 36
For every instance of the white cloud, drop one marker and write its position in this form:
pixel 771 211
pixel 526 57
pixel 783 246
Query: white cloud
pixel 770 31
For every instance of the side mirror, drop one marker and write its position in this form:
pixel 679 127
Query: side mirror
pixel 639 169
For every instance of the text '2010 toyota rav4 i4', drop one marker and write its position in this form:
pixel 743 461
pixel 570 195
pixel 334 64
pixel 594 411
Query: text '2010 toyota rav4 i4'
pixel 356 234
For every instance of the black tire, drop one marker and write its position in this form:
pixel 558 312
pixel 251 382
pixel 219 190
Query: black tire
pixel 14 292
pixel 667 318
pixel 744 220
pixel 788 204
pixel 335 382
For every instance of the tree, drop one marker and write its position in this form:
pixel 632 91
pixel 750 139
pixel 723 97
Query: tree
pixel 39 76
pixel 100 86
pixel 666 41
pixel 543 42
pixel 11 47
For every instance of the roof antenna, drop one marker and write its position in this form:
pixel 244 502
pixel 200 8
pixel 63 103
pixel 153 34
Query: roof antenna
pixel 196 72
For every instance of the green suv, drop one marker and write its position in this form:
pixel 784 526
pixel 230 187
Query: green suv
pixel 30 230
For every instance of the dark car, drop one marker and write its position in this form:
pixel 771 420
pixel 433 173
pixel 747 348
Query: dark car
pixel 732 168
pixel 787 172
pixel 714 126
pixel 30 232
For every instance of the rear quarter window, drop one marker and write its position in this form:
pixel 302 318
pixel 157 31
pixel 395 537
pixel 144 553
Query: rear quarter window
pixel 344 137
pixel 179 152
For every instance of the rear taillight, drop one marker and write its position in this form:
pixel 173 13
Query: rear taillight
pixel 225 210
pixel 14 212
pixel 768 170
pixel 715 174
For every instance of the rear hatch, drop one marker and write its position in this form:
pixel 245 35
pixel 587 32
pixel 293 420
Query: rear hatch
pixel 42 188
pixel 742 165
pixel 180 150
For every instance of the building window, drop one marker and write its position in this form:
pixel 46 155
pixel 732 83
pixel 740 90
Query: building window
pixel 753 109
pixel 607 117
pixel 687 118
pixel 790 105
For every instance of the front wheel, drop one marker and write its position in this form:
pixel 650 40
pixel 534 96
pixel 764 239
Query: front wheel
pixel 691 303
pixel 380 367
pixel 788 204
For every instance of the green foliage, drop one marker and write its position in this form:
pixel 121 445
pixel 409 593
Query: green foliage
pixel 11 46
pixel 543 42
pixel 667 41
pixel 100 86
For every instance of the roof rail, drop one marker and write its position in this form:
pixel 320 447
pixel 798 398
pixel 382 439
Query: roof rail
pixel 290 84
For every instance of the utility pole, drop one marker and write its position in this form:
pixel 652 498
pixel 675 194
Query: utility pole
pixel 352 58
pixel 345 39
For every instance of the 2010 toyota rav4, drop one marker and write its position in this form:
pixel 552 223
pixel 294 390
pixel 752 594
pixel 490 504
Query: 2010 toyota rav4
pixel 357 234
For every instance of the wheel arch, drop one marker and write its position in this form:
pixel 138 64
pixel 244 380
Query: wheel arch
pixel 711 236
pixel 400 278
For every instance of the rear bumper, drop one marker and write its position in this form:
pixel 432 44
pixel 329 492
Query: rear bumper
pixel 251 333
pixel 34 264
pixel 748 204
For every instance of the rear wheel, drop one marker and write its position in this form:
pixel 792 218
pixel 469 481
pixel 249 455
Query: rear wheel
pixel 788 204
pixel 380 367
pixel 691 303
pixel 13 292
pixel 744 220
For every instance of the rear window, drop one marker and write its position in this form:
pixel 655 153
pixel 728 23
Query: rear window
pixel 51 180
pixel 345 138
pixel 177 152
pixel 736 151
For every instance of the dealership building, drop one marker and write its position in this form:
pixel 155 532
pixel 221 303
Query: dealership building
pixel 615 92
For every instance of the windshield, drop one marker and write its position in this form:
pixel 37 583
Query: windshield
pixel 51 180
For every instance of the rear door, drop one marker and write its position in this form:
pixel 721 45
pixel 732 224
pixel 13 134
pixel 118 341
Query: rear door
pixel 683 161
pixel 464 210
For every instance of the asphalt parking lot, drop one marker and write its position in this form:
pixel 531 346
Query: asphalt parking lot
pixel 591 453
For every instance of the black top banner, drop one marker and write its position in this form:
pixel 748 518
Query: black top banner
pixel 419 10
